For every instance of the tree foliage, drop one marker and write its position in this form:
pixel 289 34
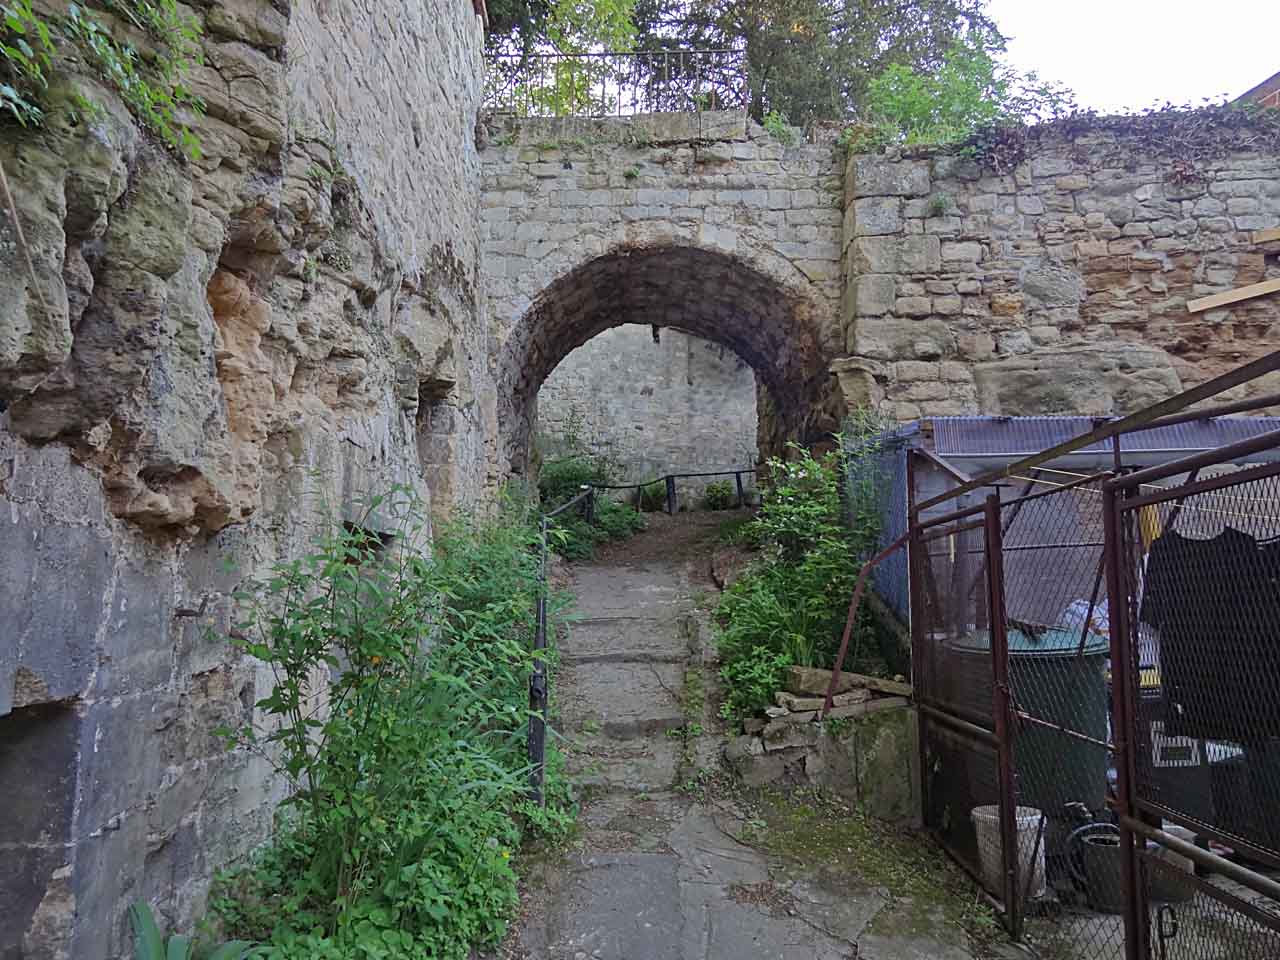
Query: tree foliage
pixel 813 60
pixel 970 90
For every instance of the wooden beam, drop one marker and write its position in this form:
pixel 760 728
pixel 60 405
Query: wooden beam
pixel 1234 296
pixel 1266 236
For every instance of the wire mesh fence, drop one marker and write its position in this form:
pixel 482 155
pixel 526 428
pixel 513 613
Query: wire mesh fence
pixel 1142 817
pixel 607 84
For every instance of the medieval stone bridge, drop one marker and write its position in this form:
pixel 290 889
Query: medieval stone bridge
pixel 681 220
pixel 924 283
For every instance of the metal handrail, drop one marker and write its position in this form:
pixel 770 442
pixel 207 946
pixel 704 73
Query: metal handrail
pixel 616 82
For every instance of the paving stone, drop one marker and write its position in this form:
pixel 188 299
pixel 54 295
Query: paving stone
pixel 626 638
pixel 622 699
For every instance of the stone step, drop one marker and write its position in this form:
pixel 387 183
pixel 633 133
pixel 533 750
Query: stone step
pixel 621 700
pixel 615 639
pixel 607 592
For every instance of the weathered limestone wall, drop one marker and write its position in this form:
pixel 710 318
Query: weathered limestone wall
pixel 703 221
pixel 209 360
pixel 1061 287
pixel 683 405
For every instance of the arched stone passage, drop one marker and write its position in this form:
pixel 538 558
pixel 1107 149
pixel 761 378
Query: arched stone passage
pixel 771 324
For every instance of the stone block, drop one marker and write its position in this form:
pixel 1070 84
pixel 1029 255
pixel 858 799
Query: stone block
pixel 946 305
pixel 877 254
pixel 874 294
pixel 875 216
pixel 1102 380
pixel 914 306
pixel 781 734
pixel 921 254
pixel 962 254
pixel 875 176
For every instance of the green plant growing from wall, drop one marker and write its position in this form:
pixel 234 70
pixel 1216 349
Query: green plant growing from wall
pixel 779 129
pixel 939 204
pixel 26 58
pixel 153 87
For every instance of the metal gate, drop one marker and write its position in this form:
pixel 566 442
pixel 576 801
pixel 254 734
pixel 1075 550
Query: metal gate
pixel 1097 668
pixel 1197 560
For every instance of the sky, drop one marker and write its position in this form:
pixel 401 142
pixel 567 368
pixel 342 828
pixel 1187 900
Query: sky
pixel 1119 54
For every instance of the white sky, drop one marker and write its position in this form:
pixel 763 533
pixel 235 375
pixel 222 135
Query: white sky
pixel 1130 53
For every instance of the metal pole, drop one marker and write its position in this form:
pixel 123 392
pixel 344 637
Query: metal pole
pixel 741 495
pixel 538 682
pixel 671 494
pixel 1002 715
pixel 1125 732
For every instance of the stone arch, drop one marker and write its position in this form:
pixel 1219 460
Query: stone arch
pixel 766 316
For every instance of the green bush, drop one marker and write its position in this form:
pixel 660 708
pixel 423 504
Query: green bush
pixel 575 539
pixel 408 793
pixel 559 481
pixel 153 87
pixel 789 607
pixel 719 495
pixel 971 90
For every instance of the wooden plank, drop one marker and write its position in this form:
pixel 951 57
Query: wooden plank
pixel 1234 296
pixel 1266 236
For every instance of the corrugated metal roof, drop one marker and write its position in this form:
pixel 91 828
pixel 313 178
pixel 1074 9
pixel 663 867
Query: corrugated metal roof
pixel 1024 436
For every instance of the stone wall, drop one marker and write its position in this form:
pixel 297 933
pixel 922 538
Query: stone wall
pixel 1060 287
pixel 702 221
pixel 682 405
pixel 211 361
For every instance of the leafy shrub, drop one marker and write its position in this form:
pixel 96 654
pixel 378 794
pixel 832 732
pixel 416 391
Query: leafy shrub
pixel 971 90
pixel 408 798
pixel 779 129
pixel 150 944
pixel 559 481
pixel 751 679
pixel 719 495
pixel 26 57
pixel 790 606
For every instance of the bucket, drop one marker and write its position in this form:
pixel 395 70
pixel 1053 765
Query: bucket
pixel 1026 820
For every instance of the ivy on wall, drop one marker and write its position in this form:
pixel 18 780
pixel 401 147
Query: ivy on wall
pixel 152 83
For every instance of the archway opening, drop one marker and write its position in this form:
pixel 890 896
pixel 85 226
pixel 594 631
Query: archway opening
pixel 771 324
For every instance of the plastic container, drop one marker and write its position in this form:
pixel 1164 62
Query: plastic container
pixel 986 823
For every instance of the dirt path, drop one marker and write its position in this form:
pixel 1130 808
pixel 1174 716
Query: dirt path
pixel 663 869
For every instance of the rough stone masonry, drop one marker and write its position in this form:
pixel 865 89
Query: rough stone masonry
pixel 210 360
pixel 215 359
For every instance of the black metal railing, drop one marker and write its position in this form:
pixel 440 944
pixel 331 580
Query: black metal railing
pixel 616 83
pixel 671 493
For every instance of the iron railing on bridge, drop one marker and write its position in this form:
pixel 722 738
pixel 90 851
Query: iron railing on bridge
pixel 616 83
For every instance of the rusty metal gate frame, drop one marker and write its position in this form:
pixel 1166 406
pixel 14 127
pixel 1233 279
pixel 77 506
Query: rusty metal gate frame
pixel 996 736
pixel 1140 818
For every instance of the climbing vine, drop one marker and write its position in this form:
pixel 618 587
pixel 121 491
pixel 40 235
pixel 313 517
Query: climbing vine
pixel 152 85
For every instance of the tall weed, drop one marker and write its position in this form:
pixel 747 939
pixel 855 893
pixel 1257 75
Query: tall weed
pixel 399 717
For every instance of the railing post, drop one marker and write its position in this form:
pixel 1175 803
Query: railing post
pixel 1002 712
pixel 589 510
pixel 538 682
pixel 671 494
pixel 737 477
pixel 1125 733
